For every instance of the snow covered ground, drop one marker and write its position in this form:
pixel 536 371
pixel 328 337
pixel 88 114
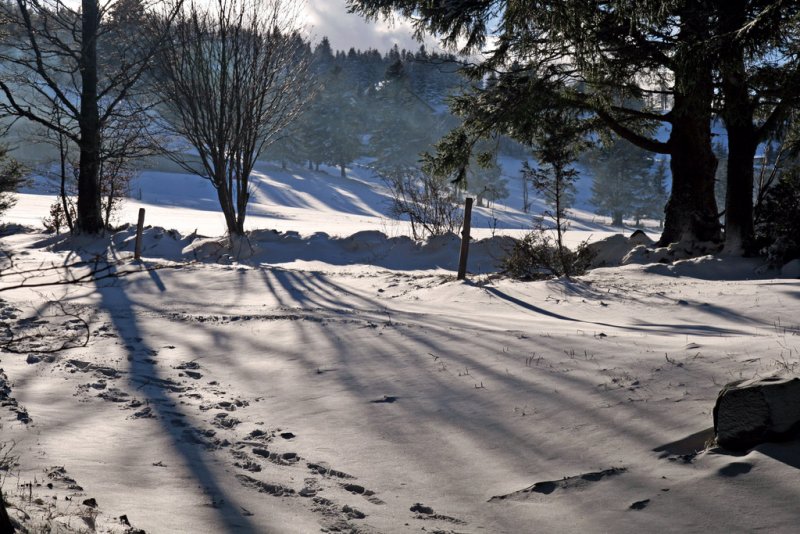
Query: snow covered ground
pixel 298 200
pixel 341 383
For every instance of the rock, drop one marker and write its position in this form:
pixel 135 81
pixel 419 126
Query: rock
pixel 421 509
pixel 791 269
pixel 751 412
pixel 352 513
pixel 643 255
pixel 609 252
pixel 640 238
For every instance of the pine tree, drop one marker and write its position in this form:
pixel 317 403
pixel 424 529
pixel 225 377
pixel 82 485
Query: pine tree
pixel 559 141
pixel 652 195
pixel 288 148
pixel 340 117
pixel 619 170
pixel 590 58
pixel 405 125
pixel 486 182
pixel 11 178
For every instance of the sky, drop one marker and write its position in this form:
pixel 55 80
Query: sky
pixel 344 30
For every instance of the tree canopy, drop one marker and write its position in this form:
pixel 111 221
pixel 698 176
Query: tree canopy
pixel 686 60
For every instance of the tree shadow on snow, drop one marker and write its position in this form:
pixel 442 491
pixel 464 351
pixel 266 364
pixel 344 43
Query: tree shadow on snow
pixel 145 378
pixel 641 326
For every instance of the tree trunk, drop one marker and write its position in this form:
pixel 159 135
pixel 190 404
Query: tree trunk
pixel 90 219
pixel 691 212
pixel 228 211
pixel 112 196
pixel 738 115
pixel 344 170
pixel 242 198
pixel 63 191
pixel 5 521
pixel 616 219
pixel 525 204
pixel 739 194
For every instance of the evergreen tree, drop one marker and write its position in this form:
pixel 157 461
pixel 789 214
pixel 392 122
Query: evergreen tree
pixel 485 180
pixel 340 120
pixel 559 141
pixel 755 53
pixel 590 58
pixel 405 125
pixel 11 177
pixel 389 99
pixel 288 148
pixel 690 61
pixel 322 60
pixel 652 195
pixel 619 170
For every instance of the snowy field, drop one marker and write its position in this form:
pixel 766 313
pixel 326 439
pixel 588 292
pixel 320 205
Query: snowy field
pixel 333 382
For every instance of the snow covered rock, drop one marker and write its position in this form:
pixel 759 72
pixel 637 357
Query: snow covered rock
pixel 610 251
pixel 751 412
pixel 205 249
pixel 640 238
pixel 369 240
pixel 642 255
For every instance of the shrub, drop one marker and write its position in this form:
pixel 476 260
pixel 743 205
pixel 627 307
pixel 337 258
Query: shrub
pixel 58 219
pixel 430 203
pixel 537 257
pixel 778 219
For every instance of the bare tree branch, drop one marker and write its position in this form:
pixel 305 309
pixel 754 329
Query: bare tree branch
pixel 232 77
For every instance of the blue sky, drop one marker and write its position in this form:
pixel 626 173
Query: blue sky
pixel 330 18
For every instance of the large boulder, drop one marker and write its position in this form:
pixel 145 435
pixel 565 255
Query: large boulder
pixel 751 412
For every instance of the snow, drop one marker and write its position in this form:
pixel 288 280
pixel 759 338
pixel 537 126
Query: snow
pixel 336 369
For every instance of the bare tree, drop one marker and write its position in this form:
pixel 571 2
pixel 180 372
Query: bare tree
pixel 124 140
pixel 83 62
pixel 429 202
pixel 233 76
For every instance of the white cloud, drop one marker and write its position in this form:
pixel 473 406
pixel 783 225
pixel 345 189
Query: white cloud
pixel 345 30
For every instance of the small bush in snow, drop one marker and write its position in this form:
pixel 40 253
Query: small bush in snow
pixel 57 219
pixel 537 257
pixel 778 219
pixel 430 203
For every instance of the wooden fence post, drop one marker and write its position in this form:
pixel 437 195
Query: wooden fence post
pixel 137 254
pixel 462 260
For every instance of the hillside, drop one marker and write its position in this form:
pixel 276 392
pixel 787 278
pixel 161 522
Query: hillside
pixel 333 382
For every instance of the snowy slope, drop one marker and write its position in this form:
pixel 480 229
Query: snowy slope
pixel 303 201
pixel 335 382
